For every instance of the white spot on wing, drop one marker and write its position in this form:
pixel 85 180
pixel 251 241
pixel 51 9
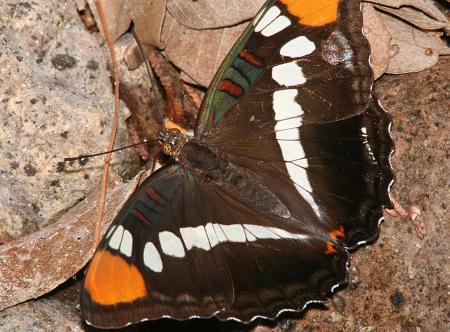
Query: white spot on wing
pixel 284 104
pixel 211 233
pixel 249 236
pixel 287 133
pixel 234 232
pixel 171 244
pixel 152 259
pixel 287 235
pixel 298 47
pixel 279 24
pixel 288 74
pixel 297 172
pixel 288 124
pixel 195 237
pixel 268 17
pixel 126 246
pixel 291 150
pixel 261 232
pixel 366 143
pixel 114 242
pixel 219 232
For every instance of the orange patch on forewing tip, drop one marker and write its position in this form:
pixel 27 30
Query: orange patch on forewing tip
pixel 111 280
pixel 330 248
pixel 338 233
pixel 313 13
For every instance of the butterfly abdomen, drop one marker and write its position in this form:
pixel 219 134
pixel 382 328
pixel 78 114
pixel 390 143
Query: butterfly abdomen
pixel 242 183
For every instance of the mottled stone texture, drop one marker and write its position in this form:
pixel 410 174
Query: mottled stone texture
pixel 56 101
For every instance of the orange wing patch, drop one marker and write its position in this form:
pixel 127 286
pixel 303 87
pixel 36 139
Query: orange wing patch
pixel 337 233
pixel 111 280
pixel 330 248
pixel 230 87
pixel 313 13
pixel 250 58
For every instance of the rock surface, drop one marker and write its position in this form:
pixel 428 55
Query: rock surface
pixel 56 102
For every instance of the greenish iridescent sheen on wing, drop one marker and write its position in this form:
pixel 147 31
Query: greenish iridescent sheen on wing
pixel 234 68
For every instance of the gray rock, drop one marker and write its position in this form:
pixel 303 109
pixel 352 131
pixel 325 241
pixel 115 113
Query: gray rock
pixel 55 101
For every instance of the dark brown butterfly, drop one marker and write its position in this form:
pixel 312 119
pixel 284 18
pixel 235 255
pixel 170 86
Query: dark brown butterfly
pixel 287 170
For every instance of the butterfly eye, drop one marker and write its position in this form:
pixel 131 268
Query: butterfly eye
pixel 167 149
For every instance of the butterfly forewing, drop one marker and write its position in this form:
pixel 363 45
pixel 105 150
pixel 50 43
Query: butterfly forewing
pixel 314 50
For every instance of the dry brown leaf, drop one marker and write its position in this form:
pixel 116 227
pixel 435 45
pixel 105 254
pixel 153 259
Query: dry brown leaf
pixel 36 264
pixel 209 14
pixel 184 19
pixel 118 21
pixel 148 17
pixel 417 50
pixel 379 39
pixel 198 52
pixel 427 6
pixel 127 50
pixel 414 17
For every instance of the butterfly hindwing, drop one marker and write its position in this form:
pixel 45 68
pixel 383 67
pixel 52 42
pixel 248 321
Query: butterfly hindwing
pixel 206 255
pixel 335 173
pixel 276 264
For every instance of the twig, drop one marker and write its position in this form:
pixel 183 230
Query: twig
pixel 193 93
pixel 101 199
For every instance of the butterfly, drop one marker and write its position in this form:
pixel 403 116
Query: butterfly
pixel 288 169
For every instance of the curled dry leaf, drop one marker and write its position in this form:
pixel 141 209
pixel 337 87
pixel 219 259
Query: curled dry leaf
pixel 414 17
pixel 417 50
pixel 209 14
pixel 147 15
pixel 181 108
pixel 199 63
pixel 427 6
pixel 379 39
pixel 36 264
pixel 125 48
pixel 199 66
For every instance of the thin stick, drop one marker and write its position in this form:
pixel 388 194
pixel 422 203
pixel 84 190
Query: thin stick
pixel 151 76
pixel 102 196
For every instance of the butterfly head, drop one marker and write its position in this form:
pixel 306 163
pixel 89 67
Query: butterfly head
pixel 172 141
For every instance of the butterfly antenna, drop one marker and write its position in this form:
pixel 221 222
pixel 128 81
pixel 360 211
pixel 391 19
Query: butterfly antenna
pixel 85 156
pixel 151 76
